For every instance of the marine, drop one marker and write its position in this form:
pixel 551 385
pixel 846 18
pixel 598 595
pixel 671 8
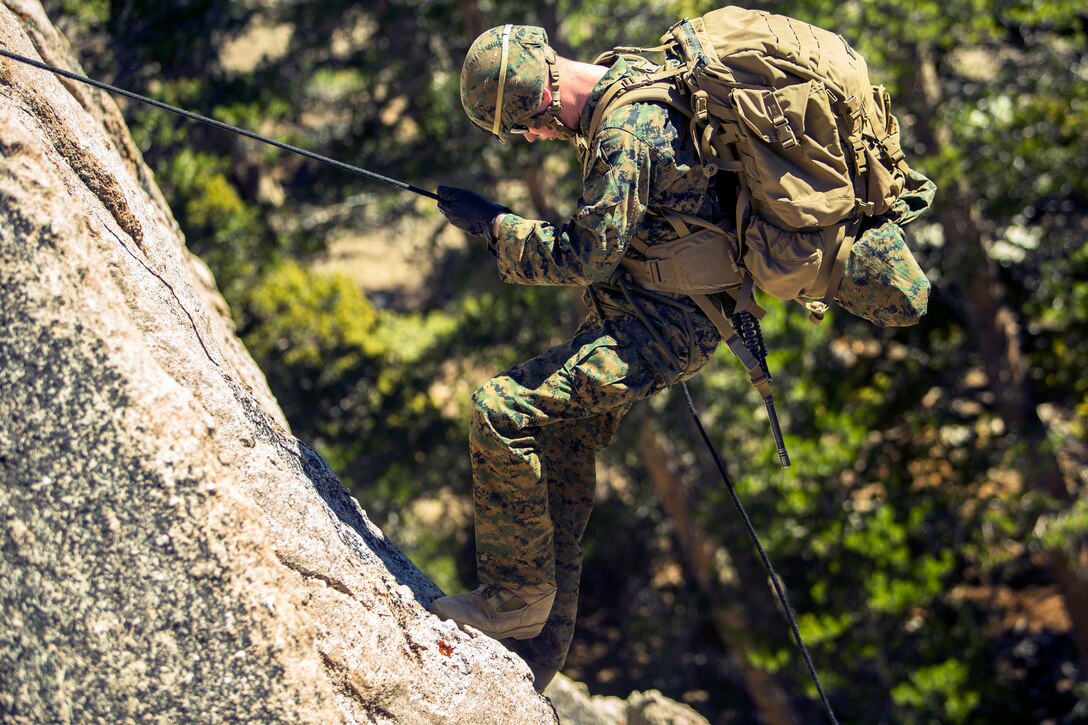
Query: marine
pixel 537 427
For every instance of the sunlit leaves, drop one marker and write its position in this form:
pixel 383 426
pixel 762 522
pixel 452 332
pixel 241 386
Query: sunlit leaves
pixel 938 693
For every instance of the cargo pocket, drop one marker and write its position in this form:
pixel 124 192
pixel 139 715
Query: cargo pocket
pixel 783 263
pixel 791 155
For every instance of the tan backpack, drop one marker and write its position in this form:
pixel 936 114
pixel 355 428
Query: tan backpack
pixel 789 107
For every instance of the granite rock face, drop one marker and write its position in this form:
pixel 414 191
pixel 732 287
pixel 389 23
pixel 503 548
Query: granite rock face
pixel 576 706
pixel 167 548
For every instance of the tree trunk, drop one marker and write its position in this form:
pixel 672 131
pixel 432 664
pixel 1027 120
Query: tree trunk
pixel 541 191
pixel 995 332
pixel 474 19
pixel 698 550
pixel 548 12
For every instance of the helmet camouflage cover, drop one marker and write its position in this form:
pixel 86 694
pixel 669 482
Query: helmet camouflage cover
pixel 504 71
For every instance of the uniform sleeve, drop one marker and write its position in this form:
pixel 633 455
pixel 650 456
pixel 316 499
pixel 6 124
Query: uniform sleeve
pixel 589 246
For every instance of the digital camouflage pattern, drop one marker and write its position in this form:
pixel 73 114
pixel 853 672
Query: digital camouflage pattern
pixel 640 161
pixel 523 82
pixel 882 281
pixel 536 428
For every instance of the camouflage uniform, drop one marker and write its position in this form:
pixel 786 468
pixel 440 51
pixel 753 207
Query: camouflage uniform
pixel 537 427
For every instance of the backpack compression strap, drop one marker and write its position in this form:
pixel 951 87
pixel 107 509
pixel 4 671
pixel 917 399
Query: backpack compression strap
pixel 830 275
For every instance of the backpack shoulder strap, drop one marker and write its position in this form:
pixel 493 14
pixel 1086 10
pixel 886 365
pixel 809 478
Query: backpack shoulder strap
pixel 656 88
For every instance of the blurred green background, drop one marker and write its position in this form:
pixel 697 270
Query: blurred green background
pixel 933 531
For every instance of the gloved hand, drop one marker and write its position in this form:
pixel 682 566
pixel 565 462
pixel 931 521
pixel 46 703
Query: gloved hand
pixel 468 211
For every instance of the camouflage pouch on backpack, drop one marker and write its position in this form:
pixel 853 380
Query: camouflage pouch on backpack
pixel 882 281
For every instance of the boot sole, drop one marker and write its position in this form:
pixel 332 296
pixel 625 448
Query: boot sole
pixel 524 632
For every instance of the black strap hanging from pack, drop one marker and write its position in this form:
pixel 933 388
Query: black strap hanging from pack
pixel 747 326
pixel 748 347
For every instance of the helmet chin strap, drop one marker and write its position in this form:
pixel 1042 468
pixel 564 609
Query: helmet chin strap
pixel 550 118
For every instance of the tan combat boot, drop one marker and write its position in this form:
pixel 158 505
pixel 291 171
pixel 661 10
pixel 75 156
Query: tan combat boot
pixel 498 612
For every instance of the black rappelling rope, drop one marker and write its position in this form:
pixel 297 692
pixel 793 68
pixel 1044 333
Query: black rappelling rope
pixel 219 124
pixel 763 555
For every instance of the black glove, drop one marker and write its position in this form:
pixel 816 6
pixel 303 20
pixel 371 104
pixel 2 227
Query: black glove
pixel 468 211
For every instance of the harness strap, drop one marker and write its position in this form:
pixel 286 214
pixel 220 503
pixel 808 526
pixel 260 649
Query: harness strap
pixel 640 246
pixel 746 301
pixel 677 224
pixel 656 87
pixel 696 221
pixel 680 222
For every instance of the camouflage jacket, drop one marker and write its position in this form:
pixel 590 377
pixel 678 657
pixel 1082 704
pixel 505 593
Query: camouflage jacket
pixel 642 159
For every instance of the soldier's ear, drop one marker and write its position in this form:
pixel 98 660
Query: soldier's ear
pixel 546 98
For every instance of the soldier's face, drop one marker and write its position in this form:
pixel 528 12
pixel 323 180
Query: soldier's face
pixel 543 134
pixel 537 132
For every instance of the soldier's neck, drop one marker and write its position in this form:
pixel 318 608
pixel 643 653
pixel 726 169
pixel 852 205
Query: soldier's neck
pixel 576 82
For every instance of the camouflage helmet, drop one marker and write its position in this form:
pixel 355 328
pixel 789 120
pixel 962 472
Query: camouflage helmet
pixel 502 80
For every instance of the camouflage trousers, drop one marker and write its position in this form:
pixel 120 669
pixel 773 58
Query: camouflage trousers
pixel 536 429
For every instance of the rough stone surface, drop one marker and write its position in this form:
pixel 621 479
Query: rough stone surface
pixel 576 706
pixel 168 551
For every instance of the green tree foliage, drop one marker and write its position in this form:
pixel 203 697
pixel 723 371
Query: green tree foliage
pixel 909 532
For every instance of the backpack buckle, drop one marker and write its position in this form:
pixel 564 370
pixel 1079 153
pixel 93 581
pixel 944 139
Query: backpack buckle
pixel 653 271
pixel 700 106
pixel 783 132
pixel 859 155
